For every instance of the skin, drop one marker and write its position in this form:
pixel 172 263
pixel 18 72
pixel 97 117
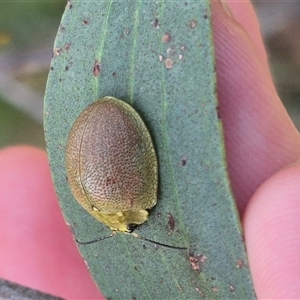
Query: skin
pixel 263 150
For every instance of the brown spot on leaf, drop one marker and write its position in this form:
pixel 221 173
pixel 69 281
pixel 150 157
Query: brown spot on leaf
pixel 169 63
pixel 193 24
pixel 171 222
pixel 166 38
pixel 97 68
pixel 194 263
pixel 240 263
pixel 218 112
pixel 56 51
pixel 197 261
pixel 67 46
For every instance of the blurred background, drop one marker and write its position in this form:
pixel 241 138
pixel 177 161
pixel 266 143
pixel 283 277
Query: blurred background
pixel 27 33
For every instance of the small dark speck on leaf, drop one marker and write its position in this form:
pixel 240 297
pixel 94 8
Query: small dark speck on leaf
pixel 114 73
pixel 156 23
pixel 171 222
pixel 86 22
pixel 51 68
pixel 144 247
pixel 218 112
pixel 66 68
pixel 205 16
pixel 97 68
pixel 183 161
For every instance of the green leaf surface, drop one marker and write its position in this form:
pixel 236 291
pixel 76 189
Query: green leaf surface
pixel 157 56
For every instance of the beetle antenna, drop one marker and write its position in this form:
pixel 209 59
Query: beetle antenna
pixel 136 236
pixel 96 240
pixel 157 243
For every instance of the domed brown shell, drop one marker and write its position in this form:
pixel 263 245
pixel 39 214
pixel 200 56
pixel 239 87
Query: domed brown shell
pixel 111 163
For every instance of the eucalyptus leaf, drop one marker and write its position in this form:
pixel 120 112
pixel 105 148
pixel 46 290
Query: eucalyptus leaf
pixel 158 56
